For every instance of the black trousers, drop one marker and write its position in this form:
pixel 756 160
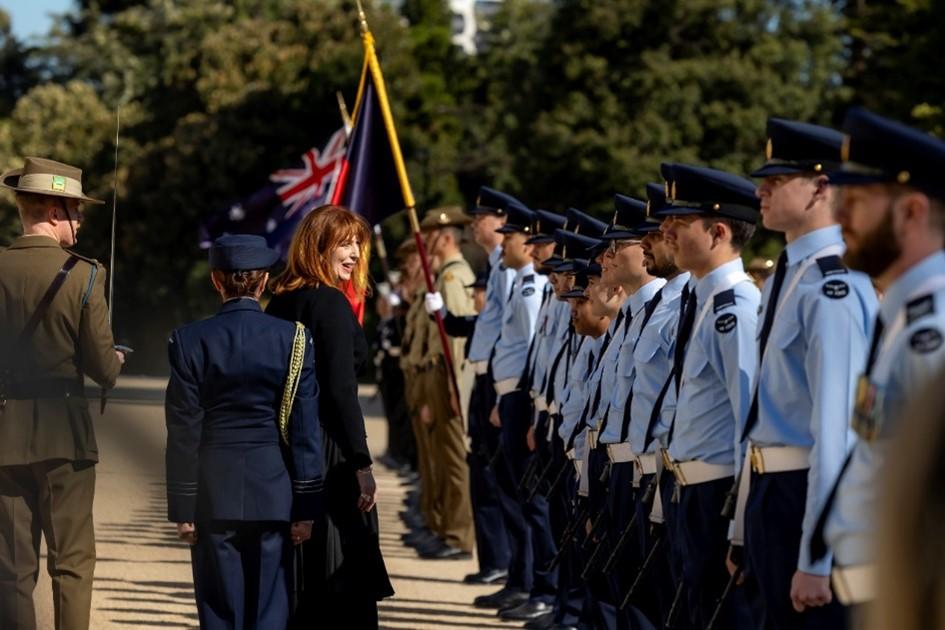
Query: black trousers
pixel 773 519
pixel 492 541
pixel 603 606
pixel 654 593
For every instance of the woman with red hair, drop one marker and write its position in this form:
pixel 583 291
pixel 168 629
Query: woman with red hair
pixel 344 572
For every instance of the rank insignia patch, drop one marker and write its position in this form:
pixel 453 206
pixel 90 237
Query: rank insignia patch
pixel 926 340
pixel 726 323
pixel 836 289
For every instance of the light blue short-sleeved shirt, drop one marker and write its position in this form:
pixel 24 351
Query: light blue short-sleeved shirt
pixel 489 321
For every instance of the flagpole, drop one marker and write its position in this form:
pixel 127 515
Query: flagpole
pixel 374 67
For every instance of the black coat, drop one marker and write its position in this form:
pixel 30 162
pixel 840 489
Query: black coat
pixel 346 553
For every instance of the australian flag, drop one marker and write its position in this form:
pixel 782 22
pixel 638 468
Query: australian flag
pixel 369 184
pixel 275 210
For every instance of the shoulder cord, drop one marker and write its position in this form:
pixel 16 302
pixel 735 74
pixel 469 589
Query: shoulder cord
pixel 296 361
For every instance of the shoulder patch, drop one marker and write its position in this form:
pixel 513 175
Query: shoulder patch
pixel 919 308
pixel 723 300
pixel 926 340
pixel 836 289
pixel 448 276
pixel 726 323
pixel 831 266
pixel 528 291
pixel 529 279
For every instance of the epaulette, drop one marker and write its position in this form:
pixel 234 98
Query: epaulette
pixel 723 299
pixel 831 265
pixel 919 308
pixel 529 279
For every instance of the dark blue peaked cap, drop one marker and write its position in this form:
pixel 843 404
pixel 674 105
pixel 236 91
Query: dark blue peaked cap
pixel 628 214
pixel 879 150
pixel 544 226
pixel 241 252
pixel 584 224
pixel 519 219
pixel 655 203
pixel 574 248
pixel 798 147
pixel 701 190
pixel 580 281
pixel 491 201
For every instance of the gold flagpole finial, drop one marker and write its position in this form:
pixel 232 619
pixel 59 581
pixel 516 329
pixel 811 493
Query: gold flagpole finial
pixel 362 18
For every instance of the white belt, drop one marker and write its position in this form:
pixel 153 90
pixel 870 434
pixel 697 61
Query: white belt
pixel 764 460
pixel 643 465
pixel 506 386
pixel 620 453
pixel 480 367
pixel 541 403
pixel 393 351
pixel 774 459
pixel 647 463
pixel 696 472
pixel 553 407
pixel 591 439
pixel 854 585
pixel 578 466
pixel 570 454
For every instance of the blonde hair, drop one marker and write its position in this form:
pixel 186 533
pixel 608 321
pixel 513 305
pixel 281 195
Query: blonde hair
pixel 308 263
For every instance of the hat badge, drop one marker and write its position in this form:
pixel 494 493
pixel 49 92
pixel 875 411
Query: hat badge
pixel 769 149
pixel 845 149
pixel 443 218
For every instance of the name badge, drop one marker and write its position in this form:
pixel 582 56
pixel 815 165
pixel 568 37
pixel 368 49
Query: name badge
pixel 867 409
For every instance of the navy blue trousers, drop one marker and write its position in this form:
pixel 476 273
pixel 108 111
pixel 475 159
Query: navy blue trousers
pixel 603 605
pixel 239 575
pixel 531 519
pixel 654 593
pixel 571 588
pixel 492 541
pixel 701 541
pixel 773 518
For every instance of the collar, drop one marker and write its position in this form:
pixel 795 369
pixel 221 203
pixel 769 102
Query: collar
pixel 901 290
pixel 644 294
pixel 714 278
pixel 240 304
pixel 34 240
pixel 449 259
pixel 524 271
pixel 674 287
pixel 812 242
pixel 495 256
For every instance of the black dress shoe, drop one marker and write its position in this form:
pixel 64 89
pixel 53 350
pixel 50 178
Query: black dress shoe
pixel 488 576
pixel 502 598
pixel 545 622
pixel 526 611
pixel 444 551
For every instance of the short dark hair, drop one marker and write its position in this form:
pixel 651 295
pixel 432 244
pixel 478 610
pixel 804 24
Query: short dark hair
pixel 237 284
pixel 742 231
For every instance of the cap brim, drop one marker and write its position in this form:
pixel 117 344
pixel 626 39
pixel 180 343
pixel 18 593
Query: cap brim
pixel 572 266
pixel 770 170
pixel 574 294
pixel 677 211
pixel 619 235
pixel 540 239
pixel 646 228
pixel 484 210
pixel 849 178
pixel 511 229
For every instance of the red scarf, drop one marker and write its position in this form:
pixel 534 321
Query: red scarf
pixel 356 300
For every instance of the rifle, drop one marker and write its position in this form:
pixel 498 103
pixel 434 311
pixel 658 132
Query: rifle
pixel 647 500
pixel 724 596
pixel 533 490
pixel 639 577
pixel 674 609
pixel 565 544
pixel 526 481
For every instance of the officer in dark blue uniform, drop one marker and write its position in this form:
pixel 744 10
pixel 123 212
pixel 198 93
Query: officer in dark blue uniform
pixel 243 444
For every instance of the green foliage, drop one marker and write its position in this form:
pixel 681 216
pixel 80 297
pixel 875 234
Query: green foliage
pixel 567 103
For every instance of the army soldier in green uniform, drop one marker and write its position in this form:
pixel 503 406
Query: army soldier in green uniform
pixel 54 331
pixel 443 228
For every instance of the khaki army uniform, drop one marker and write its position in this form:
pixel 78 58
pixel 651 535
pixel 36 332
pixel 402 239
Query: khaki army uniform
pixel 448 434
pixel 47 441
pixel 414 365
